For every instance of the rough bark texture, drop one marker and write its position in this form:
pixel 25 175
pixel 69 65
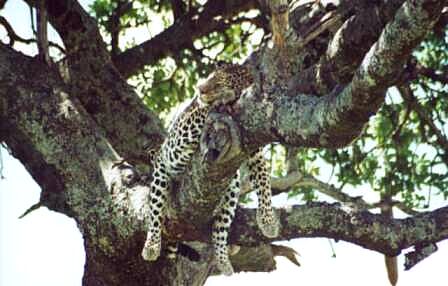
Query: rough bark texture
pixel 71 134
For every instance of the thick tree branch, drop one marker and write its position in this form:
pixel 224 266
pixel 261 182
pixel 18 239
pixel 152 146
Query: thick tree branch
pixel 41 137
pixel 129 126
pixel 310 121
pixel 365 229
pixel 347 48
pixel 371 231
pixel 48 130
pixel 379 69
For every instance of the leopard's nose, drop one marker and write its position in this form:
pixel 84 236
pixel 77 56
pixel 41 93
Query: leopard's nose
pixel 202 88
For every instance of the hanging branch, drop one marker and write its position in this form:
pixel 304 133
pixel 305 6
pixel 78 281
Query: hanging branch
pixel 390 261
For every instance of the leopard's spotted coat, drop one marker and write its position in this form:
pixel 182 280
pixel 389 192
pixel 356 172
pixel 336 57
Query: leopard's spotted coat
pixel 224 86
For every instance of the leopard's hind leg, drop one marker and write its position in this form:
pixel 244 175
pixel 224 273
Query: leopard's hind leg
pixel 260 181
pixel 221 226
pixel 157 199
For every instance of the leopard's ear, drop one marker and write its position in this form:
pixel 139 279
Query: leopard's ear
pixel 222 65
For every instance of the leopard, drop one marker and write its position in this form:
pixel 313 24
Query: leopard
pixel 259 180
pixel 224 86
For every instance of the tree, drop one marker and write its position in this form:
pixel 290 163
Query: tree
pixel 83 132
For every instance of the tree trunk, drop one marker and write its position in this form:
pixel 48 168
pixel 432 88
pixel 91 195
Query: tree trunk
pixel 73 135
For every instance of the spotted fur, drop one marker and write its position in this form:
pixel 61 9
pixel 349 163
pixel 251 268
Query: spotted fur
pixel 260 181
pixel 221 225
pixel 224 86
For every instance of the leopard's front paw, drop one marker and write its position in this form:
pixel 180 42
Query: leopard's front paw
pixel 225 267
pixel 153 245
pixel 268 223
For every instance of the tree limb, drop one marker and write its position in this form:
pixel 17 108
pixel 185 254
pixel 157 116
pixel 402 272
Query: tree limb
pixel 104 94
pixel 44 138
pixel 432 74
pixel 347 48
pixel 13 37
pixel 421 252
pixel 310 121
pixel 365 229
pixel 114 25
pixel 67 154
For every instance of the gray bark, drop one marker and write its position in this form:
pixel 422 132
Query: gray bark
pixel 71 134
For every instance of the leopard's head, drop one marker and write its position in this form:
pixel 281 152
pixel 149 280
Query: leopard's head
pixel 225 84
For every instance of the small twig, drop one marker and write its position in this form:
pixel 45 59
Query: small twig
pixel 31 209
pixel 1 165
pixel 13 37
pixel 33 27
pixel 428 200
pixel 333 252
pixel 114 24
pixel 259 21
